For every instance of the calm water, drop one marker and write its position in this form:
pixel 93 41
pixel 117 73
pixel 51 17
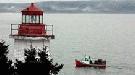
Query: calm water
pixel 107 36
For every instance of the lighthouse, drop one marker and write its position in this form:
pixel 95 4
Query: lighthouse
pixel 31 31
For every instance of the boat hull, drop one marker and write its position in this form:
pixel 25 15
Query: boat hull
pixel 81 64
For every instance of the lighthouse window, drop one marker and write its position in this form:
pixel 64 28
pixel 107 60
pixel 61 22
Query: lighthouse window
pixel 37 19
pixel 27 19
pixel 41 19
pixel 33 19
pixel 23 18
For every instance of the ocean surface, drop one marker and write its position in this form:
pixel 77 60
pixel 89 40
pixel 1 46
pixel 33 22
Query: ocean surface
pixel 106 36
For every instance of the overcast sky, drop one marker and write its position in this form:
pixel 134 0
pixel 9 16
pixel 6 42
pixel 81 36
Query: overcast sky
pixel 29 1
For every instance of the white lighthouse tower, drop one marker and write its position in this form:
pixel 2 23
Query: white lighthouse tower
pixel 31 32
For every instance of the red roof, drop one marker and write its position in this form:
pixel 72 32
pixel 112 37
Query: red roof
pixel 32 10
pixel 32 7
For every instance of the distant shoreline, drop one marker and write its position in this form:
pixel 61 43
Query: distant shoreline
pixel 105 7
pixel 72 13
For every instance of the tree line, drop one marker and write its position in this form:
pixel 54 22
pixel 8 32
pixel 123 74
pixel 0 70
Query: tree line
pixel 43 65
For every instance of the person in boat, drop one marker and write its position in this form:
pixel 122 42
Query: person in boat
pixel 90 60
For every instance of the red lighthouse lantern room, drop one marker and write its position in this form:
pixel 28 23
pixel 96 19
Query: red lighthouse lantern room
pixel 32 24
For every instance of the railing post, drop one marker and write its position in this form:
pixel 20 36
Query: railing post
pixel 46 29
pixel 52 29
pixel 11 29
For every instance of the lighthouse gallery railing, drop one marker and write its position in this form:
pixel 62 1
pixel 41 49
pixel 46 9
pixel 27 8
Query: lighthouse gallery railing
pixel 15 29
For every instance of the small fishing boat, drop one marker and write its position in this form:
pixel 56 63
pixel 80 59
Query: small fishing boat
pixel 87 62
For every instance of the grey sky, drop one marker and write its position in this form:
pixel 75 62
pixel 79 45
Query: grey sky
pixel 29 1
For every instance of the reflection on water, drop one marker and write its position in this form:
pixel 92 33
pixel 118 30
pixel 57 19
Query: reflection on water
pixel 89 71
